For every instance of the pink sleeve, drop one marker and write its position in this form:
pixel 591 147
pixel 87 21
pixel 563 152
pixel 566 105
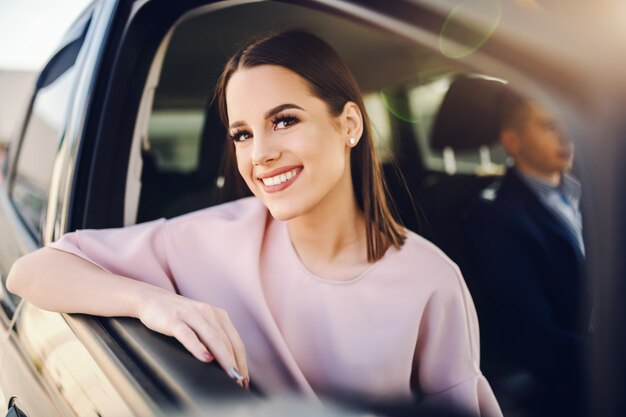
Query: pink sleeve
pixel 447 353
pixel 136 252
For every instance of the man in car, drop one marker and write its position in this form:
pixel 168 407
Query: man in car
pixel 527 254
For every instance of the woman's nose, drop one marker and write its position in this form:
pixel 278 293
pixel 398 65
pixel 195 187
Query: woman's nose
pixel 264 150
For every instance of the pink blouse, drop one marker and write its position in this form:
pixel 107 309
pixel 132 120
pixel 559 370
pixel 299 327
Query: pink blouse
pixel 302 332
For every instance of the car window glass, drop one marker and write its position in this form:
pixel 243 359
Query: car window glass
pixel 381 124
pixel 174 138
pixel 31 183
pixel 452 177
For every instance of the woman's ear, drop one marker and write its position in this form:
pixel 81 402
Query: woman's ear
pixel 352 123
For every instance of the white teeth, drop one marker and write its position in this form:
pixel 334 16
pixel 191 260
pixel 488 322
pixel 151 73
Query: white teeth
pixel 278 179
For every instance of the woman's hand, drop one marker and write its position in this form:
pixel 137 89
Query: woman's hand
pixel 204 330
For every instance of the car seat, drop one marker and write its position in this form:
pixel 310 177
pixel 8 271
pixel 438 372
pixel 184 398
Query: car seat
pixel 468 120
pixel 168 195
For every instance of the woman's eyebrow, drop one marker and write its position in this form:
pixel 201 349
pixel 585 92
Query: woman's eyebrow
pixel 271 112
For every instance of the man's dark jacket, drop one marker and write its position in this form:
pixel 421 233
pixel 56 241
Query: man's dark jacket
pixel 525 272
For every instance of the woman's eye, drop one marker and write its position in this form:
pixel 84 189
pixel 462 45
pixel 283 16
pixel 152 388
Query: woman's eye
pixel 240 136
pixel 284 122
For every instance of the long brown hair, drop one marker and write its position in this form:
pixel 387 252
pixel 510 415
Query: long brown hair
pixel 331 81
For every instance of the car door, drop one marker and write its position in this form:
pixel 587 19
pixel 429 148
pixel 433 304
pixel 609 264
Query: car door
pixel 419 21
pixel 24 197
pixel 45 368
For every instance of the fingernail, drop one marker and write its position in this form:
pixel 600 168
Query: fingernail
pixel 208 356
pixel 246 384
pixel 234 374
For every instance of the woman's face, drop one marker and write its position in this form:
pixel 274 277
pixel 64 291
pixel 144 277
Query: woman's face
pixel 290 151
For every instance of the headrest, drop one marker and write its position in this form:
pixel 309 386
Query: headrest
pixel 468 116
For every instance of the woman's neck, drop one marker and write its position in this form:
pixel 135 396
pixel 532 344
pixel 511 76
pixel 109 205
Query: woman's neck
pixel 331 239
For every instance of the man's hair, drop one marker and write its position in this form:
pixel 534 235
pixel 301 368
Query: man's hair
pixel 513 109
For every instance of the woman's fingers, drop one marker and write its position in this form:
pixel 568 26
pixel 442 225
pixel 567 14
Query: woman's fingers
pixel 185 335
pixel 237 345
pixel 209 329
pixel 203 330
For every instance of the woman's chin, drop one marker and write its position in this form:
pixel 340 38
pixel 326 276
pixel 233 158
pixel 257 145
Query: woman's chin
pixel 282 214
pixel 282 211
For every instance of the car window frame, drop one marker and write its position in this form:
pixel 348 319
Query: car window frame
pixel 67 57
pixel 523 74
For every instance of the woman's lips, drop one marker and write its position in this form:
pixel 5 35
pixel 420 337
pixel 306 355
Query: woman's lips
pixel 280 181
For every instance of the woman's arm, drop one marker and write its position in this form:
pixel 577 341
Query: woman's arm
pixel 59 281
pixel 446 361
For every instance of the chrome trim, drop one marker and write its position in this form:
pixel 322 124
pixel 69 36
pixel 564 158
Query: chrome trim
pixel 93 337
pixel 88 61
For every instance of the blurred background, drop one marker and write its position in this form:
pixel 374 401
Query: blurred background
pixel 30 30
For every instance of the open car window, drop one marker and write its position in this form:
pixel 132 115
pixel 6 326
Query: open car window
pixel 179 154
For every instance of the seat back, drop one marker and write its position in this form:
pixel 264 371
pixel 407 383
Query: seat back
pixel 467 119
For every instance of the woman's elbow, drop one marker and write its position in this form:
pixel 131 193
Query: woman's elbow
pixel 21 274
pixel 15 277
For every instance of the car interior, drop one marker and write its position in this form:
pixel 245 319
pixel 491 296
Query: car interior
pixel 163 150
pixel 433 120
pixel 436 154
pixel 138 138
pixel 182 145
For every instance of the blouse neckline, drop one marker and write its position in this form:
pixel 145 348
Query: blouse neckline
pixel 284 233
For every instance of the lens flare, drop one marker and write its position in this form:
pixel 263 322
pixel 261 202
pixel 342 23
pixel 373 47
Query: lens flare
pixel 458 38
pixel 399 108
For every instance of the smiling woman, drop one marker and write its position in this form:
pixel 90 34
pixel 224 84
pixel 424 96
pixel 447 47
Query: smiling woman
pixel 309 286
pixel 326 133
